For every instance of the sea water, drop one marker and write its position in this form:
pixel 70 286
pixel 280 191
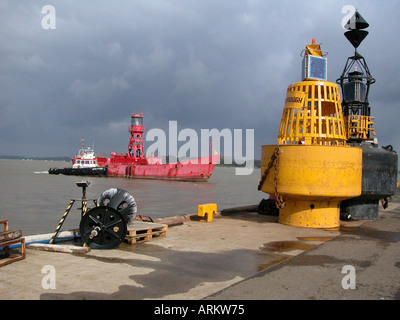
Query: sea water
pixel 34 201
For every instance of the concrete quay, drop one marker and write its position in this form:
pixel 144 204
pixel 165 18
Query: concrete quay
pixel 240 256
pixel 370 252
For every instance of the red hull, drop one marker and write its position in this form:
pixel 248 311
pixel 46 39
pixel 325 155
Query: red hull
pixel 189 170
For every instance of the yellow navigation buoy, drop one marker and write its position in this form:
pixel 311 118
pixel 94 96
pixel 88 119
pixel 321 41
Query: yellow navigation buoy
pixel 311 170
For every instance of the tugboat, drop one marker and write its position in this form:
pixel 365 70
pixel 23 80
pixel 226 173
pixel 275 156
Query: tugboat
pixel 85 163
pixel 135 163
pixel 86 158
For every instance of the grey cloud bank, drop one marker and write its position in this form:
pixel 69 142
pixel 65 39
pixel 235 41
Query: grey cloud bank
pixel 205 64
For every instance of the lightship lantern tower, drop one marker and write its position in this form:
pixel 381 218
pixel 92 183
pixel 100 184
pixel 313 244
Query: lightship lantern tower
pixel 136 129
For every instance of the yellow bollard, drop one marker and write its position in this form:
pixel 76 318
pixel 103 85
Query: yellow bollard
pixel 206 211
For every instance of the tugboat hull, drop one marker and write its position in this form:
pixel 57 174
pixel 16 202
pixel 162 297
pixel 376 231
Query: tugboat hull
pixel 98 171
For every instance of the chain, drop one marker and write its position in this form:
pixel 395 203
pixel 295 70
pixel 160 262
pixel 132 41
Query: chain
pixel 274 161
pixel 270 164
pixel 385 202
pixel 278 200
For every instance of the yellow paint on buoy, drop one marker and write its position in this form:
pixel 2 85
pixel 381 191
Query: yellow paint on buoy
pixel 313 179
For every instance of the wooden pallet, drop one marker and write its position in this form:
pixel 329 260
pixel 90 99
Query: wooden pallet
pixel 8 238
pixel 140 231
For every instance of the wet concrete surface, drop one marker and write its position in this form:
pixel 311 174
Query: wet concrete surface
pixel 240 256
pixel 317 274
pixel 172 273
pixel 194 260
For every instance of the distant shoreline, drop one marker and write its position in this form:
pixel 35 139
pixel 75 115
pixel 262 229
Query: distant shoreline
pixel 257 163
pixel 35 158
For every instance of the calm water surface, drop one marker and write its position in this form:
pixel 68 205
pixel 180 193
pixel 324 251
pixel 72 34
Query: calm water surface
pixel 34 201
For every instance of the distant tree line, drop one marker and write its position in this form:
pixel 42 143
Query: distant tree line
pixel 36 158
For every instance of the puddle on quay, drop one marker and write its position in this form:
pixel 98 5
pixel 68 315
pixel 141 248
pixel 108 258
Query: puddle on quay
pixel 272 259
pixel 319 239
pixel 287 246
pixel 277 249
pixel 346 229
pixel 372 233
pixel 368 232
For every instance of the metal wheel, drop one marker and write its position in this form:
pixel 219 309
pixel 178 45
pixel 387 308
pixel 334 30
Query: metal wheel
pixel 103 228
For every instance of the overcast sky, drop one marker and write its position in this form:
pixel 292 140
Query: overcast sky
pixel 204 63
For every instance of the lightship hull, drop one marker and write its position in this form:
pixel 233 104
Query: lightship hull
pixel 189 170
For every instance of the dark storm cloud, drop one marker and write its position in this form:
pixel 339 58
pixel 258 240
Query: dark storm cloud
pixel 206 64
